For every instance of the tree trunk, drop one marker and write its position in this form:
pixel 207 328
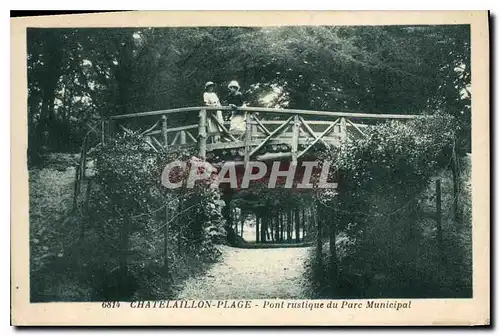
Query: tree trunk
pixel 257 223
pixel 456 186
pixel 124 75
pixel 53 57
pixel 276 228
pixel 333 249
pixel 242 221
pixel 235 220
pixel 289 224
pixel 319 242
pixel 263 229
pixel 179 218
pixel 226 210
pixel 227 214
pixel 282 227
pixel 439 230
pixel 304 224
pixel 124 245
pixel 165 238
pixel 297 226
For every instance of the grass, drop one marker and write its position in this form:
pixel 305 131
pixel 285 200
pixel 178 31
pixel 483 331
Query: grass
pixel 52 231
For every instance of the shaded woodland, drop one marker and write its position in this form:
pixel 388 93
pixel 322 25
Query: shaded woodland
pixel 126 237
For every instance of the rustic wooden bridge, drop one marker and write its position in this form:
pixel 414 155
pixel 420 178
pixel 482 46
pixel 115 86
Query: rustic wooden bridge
pixel 270 133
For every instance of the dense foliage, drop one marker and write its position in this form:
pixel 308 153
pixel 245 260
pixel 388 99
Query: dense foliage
pixel 129 173
pixel 384 215
pixel 397 157
pixel 77 76
pixel 132 238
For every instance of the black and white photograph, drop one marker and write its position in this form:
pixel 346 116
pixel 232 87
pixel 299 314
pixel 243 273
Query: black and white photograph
pixel 209 166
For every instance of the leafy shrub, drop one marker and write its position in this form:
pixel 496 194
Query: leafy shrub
pixel 130 201
pixel 378 209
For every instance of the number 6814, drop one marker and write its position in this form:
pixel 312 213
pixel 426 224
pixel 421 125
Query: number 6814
pixel 110 304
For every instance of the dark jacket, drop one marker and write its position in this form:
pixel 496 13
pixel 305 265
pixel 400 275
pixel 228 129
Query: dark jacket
pixel 235 99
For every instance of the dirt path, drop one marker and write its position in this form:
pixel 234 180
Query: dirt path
pixel 251 274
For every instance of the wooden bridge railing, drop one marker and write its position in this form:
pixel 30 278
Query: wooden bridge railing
pixel 284 132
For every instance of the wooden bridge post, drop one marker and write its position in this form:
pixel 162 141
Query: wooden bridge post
pixel 202 134
pixel 343 129
pixel 111 128
pixel 183 137
pixel 103 131
pixel 248 137
pixel 295 138
pixel 164 131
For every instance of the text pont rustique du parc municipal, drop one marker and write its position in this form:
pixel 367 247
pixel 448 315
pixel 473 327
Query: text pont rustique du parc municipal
pixel 279 304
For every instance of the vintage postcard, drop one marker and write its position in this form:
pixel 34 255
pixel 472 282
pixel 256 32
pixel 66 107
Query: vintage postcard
pixel 251 168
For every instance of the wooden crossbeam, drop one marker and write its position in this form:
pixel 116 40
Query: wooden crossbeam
pixel 150 144
pixel 175 138
pixel 127 130
pixel 191 137
pixel 357 128
pixel 224 129
pixel 325 132
pixel 311 132
pixel 195 109
pixel 226 145
pixel 309 122
pixel 175 129
pixel 151 128
pixel 273 133
pixel 255 142
pixel 158 143
pixel 264 128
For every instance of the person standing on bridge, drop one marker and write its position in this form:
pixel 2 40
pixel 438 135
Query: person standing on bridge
pixel 210 98
pixel 235 100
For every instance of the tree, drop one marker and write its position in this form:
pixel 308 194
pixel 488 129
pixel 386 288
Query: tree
pixel 77 76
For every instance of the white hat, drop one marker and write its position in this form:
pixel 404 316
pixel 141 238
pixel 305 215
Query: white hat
pixel 233 83
pixel 207 84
